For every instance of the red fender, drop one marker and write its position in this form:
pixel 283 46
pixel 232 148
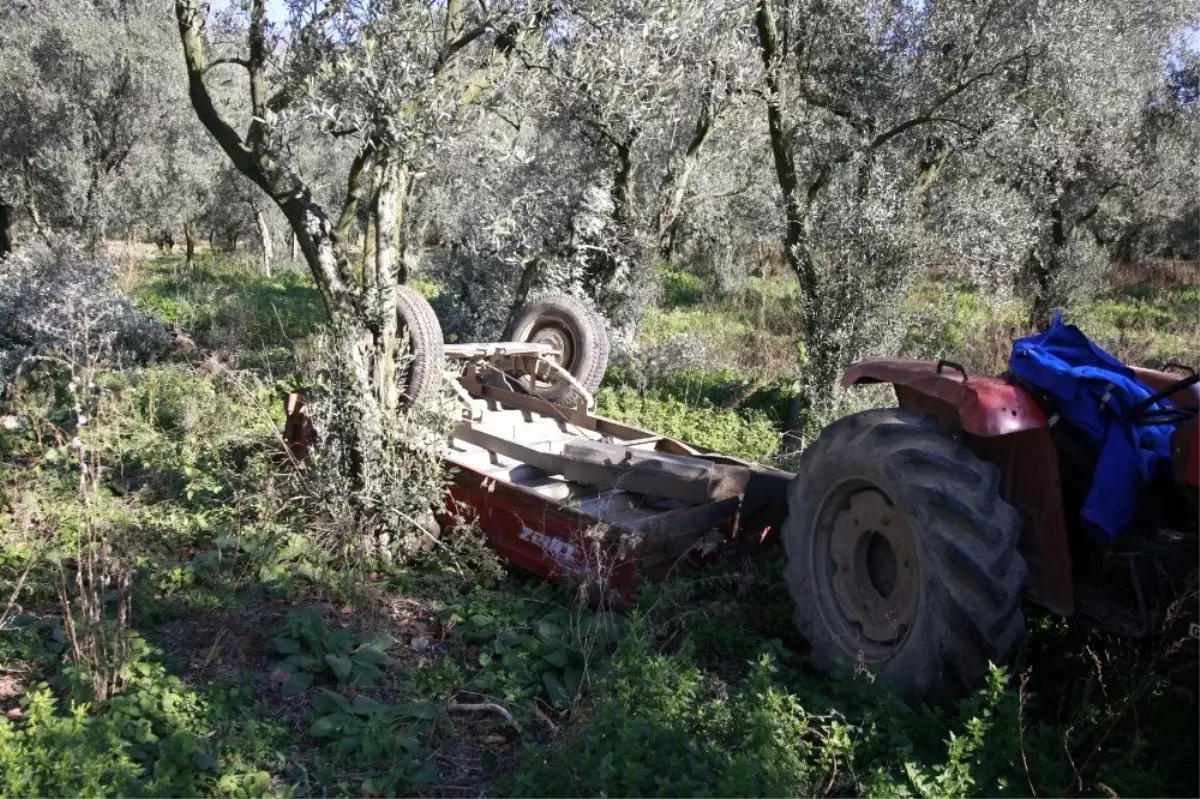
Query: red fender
pixel 1006 427
pixel 983 405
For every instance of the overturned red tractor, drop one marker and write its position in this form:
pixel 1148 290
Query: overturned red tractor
pixel 915 534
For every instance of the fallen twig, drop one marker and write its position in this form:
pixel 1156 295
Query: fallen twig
pixel 541 716
pixel 484 707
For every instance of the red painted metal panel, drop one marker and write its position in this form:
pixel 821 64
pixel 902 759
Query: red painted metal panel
pixel 1028 462
pixel 546 538
pixel 986 406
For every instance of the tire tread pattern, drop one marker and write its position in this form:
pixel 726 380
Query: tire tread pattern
pixel 424 376
pixel 972 576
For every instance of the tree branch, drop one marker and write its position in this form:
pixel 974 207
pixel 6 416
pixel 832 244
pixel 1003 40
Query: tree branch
pixel 929 114
pixel 190 15
pixel 257 66
pixel 288 93
pixel 241 62
pixel 454 46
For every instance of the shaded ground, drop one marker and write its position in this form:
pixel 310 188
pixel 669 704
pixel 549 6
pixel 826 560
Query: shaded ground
pixel 703 689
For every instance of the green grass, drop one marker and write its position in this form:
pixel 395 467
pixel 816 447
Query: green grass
pixel 704 689
pixel 231 306
pixel 749 435
pixel 1146 325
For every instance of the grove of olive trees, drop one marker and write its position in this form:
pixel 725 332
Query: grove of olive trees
pixel 240 558
pixel 507 148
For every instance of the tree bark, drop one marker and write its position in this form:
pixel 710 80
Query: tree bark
pixel 7 211
pixel 91 212
pixel 529 274
pixel 601 264
pixel 295 247
pixel 381 296
pixel 31 204
pixel 675 184
pixel 781 153
pixel 368 249
pixel 189 240
pixel 1042 266
pixel 264 237
pixel 622 191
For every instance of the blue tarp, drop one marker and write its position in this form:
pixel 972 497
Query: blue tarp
pixel 1095 393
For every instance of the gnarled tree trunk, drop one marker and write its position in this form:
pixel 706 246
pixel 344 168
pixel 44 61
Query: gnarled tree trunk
pixel 675 184
pixel 190 234
pixel 264 238
pixel 7 211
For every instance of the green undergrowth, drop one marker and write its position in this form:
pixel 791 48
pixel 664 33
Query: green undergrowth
pixel 709 695
pixel 1147 324
pixel 257 668
pixel 750 434
pixel 158 737
pixel 227 305
pixel 1139 323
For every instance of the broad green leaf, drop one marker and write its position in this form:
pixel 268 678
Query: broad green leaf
pixel 367 654
pixel 297 683
pixel 287 645
pixel 572 679
pixel 350 743
pixel 366 706
pixel 339 640
pixel 327 725
pixel 557 658
pixel 555 689
pixel 301 662
pixel 341 666
pixel 548 632
pixel 331 702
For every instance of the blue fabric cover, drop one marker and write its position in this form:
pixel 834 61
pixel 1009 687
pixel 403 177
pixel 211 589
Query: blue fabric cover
pixel 1065 363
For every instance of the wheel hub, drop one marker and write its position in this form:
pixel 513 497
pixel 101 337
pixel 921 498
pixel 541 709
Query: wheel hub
pixel 554 336
pixel 561 340
pixel 874 567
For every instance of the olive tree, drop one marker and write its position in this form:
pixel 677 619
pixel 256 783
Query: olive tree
pixel 1076 136
pixel 389 82
pixel 864 104
pixel 644 85
pixel 83 85
pixel 990 132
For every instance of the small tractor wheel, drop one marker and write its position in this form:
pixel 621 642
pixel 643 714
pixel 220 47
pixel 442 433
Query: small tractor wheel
pixel 424 374
pixel 902 557
pixel 572 328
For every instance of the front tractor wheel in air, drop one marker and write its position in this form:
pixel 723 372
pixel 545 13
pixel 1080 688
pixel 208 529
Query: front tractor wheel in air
pixel 902 557
pixel 578 335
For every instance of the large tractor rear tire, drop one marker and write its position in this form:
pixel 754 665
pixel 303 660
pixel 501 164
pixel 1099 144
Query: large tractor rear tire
pixel 902 557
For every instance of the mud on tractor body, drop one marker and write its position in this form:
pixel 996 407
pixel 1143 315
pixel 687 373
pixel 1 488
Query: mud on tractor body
pixel 915 534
